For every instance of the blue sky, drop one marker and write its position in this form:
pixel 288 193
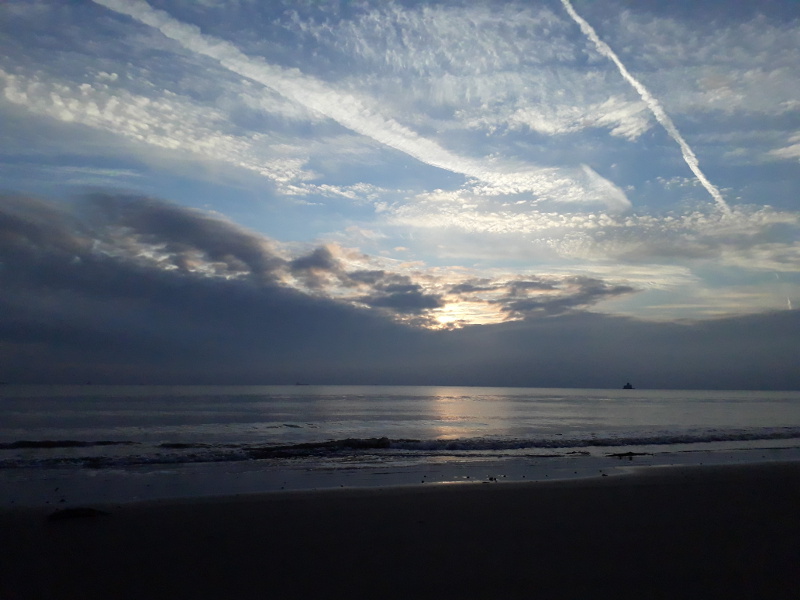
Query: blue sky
pixel 434 164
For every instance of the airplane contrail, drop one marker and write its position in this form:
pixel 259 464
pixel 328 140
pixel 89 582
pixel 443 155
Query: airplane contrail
pixel 655 107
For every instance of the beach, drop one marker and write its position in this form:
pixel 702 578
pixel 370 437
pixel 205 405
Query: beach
pixel 690 532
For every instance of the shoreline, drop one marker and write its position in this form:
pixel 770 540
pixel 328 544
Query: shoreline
pixel 727 531
pixel 76 486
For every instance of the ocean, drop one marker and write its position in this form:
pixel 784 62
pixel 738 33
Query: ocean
pixel 64 445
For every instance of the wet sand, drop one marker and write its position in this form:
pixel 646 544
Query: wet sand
pixel 697 532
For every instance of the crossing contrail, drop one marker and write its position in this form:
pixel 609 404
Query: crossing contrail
pixel 655 107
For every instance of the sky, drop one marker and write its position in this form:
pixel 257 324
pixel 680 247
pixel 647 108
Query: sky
pixel 549 193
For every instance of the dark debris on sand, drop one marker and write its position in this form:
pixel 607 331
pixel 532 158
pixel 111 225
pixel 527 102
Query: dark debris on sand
pixel 77 512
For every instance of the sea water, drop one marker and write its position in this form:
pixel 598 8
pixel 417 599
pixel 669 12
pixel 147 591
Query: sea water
pixel 63 445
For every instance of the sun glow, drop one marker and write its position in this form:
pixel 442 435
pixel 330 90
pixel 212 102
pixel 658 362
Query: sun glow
pixel 455 315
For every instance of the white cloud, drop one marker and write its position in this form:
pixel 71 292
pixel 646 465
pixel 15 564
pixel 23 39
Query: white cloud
pixel 742 238
pixel 94 176
pixel 471 38
pixel 790 152
pixel 358 113
pixel 772 257
pixel 515 69
pixel 745 67
pixel 166 121
pixel 622 117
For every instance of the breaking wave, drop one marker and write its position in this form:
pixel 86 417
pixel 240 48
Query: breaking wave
pixel 493 445
pixel 27 444
pixel 44 453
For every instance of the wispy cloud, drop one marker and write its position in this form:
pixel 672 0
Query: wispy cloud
pixel 496 79
pixel 168 122
pixel 790 152
pixel 357 114
pixel 720 68
pixel 658 112
pixel 602 236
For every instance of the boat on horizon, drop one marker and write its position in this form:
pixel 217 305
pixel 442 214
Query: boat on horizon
pixel 628 386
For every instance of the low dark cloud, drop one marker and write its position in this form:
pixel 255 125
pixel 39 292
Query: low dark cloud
pixel 515 288
pixel 186 234
pixel 316 268
pixel 581 349
pixel 83 305
pixel 406 299
pixel 137 290
pixel 367 277
pixel 471 287
pixel 320 259
pixel 535 298
pixel 398 293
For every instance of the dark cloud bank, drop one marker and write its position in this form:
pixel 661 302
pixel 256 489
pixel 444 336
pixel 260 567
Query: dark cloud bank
pixel 134 290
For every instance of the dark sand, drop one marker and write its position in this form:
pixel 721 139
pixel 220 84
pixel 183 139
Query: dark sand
pixel 721 532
